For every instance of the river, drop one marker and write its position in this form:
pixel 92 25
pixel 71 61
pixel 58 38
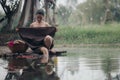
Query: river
pixel 82 64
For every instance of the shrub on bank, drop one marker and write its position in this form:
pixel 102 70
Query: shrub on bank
pixel 91 34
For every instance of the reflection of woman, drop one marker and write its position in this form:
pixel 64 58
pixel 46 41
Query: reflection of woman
pixel 14 66
pixel 47 43
pixel 31 69
pixel 39 71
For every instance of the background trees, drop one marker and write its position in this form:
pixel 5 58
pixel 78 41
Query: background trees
pixel 93 11
pixel 99 11
pixel 20 13
pixel 10 7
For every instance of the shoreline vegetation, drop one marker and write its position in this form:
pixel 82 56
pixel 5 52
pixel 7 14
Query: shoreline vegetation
pixel 102 35
pixel 105 35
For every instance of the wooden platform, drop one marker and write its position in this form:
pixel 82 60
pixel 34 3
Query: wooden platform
pixel 31 54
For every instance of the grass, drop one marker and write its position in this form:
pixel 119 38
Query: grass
pixel 90 34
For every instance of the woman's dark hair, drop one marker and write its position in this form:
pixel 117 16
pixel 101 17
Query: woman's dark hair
pixel 40 11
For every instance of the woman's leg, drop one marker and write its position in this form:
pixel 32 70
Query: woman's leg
pixel 48 41
pixel 45 52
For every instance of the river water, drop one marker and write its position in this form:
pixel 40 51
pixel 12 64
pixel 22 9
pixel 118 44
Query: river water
pixel 83 64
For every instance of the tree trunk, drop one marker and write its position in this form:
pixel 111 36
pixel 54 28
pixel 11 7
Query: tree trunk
pixel 54 15
pixel 7 27
pixel 37 6
pixel 10 14
pixel 108 14
pixel 109 76
pixel 46 9
pixel 21 21
pixel 27 15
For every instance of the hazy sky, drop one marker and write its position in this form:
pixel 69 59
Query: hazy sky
pixel 64 1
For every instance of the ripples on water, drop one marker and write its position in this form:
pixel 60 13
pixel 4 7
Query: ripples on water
pixel 83 64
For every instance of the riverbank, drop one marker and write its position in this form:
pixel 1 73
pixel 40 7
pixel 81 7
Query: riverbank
pixel 90 34
pixel 108 34
pixel 87 45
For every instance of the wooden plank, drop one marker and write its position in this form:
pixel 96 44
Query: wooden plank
pixel 31 54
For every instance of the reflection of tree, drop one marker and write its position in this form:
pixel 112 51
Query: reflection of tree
pixel 94 64
pixel 104 59
pixel 73 65
pixel 109 65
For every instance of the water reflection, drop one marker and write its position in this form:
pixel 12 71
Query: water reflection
pixel 90 64
pixel 79 64
pixel 109 65
pixel 73 66
pixel 27 68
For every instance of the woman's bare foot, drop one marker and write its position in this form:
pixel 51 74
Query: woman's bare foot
pixel 52 51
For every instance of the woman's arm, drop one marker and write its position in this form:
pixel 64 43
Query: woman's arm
pixel 31 25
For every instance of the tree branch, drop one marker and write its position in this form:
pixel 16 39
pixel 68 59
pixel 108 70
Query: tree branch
pixel 16 6
pixel 5 17
pixel 2 2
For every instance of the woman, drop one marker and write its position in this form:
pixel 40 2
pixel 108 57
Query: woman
pixel 47 43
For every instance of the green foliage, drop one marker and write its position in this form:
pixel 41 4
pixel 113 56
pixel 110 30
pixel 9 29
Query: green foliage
pixel 91 34
pixel 94 11
pixel 91 11
pixel 63 14
pixel 10 7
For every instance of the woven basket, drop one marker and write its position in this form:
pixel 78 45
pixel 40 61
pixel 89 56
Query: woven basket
pixel 18 47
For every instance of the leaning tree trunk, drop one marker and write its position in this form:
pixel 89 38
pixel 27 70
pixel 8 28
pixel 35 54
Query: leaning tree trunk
pixel 28 12
pixel 21 21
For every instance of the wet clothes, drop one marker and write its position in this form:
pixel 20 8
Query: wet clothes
pixel 34 37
